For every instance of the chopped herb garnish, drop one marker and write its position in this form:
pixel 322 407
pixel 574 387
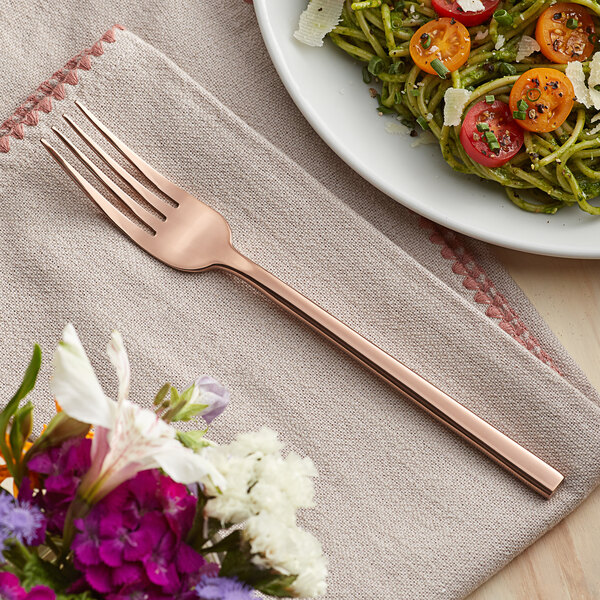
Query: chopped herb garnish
pixel 396 68
pixel 425 40
pixel 483 127
pixel 522 105
pixel 366 75
pixel 365 4
pixel 507 69
pixel 572 23
pixel 375 65
pixel 422 121
pixel 492 141
pixel 381 108
pixel 490 99
pixel 396 20
pixel 533 94
pixel 519 114
pixel 438 66
pixel 503 17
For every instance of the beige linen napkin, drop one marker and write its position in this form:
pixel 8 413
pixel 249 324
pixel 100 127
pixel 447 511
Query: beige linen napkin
pixel 404 508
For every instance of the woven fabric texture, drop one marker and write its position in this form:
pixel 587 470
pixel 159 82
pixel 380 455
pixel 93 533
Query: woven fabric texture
pixel 405 508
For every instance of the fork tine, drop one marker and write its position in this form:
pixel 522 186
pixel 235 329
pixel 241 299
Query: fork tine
pixel 147 217
pixel 174 192
pixel 162 207
pixel 137 234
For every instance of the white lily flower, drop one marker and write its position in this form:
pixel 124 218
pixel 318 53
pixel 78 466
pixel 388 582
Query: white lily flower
pixel 128 438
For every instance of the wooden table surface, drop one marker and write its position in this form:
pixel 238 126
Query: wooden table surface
pixel 565 563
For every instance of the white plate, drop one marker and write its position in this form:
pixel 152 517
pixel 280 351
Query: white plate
pixel 327 87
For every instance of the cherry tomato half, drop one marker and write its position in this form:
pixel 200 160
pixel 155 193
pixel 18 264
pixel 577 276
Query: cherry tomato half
pixel 451 8
pixel 563 32
pixel 445 39
pixel 497 119
pixel 549 96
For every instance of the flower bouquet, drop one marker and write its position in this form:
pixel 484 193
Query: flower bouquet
pixel 113 501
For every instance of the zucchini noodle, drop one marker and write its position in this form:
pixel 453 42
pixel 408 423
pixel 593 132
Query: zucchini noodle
pixel 551 171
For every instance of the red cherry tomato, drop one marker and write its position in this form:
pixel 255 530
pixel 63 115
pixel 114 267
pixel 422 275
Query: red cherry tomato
pixel 497 119
pixel 451 8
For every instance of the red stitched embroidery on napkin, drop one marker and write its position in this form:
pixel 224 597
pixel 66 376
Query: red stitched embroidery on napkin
pixel 476 280
pixel 53 88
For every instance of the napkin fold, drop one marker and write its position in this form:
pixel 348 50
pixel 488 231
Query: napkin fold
pixel 405 509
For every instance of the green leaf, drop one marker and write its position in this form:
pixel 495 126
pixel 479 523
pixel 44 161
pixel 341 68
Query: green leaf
pixel 26 386
pixel 15 439
pixel 188 412
pixel 82 596
pixel 238 563
pixel 174 396
pixel 39 572
pixel 193 439
pixel 20 430
pixel 162 393
pixel 278 586
pixel 196 537
pixel 228 543
pixel 187 394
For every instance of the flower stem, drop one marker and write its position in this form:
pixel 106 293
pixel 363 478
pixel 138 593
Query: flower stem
pixel 18 554
pixel 78 509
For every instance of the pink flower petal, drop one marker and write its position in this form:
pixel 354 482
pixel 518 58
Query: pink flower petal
pixel 40 592
pixel 98 576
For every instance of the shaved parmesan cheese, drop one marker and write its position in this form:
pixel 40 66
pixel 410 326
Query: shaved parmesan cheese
pixel 499 42
pixel 481 35
pixel 396 128
pixel 423 138
pixel 574 72
pixel 471 5
pixel 455 101
pixel 527 46
pixel 594 80
pixel 595 118
pixel 319 18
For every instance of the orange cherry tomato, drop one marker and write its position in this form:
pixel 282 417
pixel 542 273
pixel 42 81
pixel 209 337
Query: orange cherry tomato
pixel 563 32
pixel 445 39
pixel 549 97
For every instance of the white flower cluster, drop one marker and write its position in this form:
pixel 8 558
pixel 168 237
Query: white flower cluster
pixel 264 490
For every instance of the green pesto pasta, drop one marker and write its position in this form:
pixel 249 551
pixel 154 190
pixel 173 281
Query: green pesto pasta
pixel 552 170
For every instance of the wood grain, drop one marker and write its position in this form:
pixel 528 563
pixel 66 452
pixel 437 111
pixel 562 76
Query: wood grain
pixel 565 563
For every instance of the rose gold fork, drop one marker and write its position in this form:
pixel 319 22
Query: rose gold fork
pixel 191 236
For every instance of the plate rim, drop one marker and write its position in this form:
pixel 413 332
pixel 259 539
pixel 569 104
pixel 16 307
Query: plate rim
pixel 320 127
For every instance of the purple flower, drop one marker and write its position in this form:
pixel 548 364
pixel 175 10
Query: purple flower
pixel 224 588
pixel 59 469
pixel 20 521
pixel 132 543
pixel 10 589
pixel 24 523
pixel 214 395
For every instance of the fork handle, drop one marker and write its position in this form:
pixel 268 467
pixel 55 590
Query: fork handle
pixel 527 467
